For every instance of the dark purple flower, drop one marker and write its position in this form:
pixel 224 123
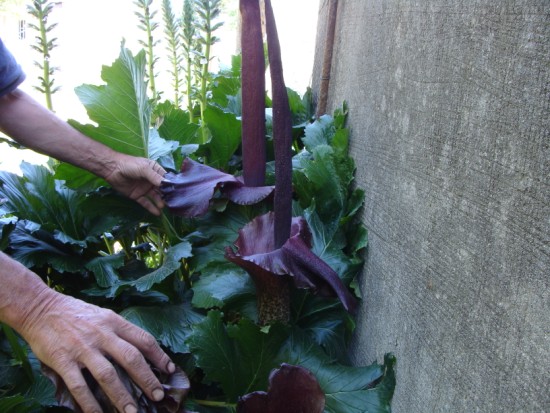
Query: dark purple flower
pixel 259 257
pixel 292 389
pixel 189 192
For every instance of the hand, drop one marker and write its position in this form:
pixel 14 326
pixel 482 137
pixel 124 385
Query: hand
pixel 138 179
pixel 68 335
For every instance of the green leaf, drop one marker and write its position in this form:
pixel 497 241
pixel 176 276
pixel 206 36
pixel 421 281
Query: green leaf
pixel 38 197
pixel 319 133
pixel 327 242
pixel 77 178
pixel 172 262
pixel 34 247
pixel 41 392
pixel 220 287
pixel 329 176
pixel 348 389
pixel 226 136
pixel 221 230
pixel 176 126
pixel 238 357
pixel 104 269
pixel 257 349
pixel 326 322
pixel 15 404
pixel 298 110
pixel 171 325
pixel 159 147
pixel 120 108
pixel 19 352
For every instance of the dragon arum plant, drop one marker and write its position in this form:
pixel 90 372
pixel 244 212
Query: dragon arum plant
pixel 243 346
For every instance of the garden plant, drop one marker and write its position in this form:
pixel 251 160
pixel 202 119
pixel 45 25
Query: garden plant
pixel 248 278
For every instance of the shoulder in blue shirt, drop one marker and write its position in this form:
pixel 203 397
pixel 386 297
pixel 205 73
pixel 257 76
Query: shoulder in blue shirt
pixel 11 74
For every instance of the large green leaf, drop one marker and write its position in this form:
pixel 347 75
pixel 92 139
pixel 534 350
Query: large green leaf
pixel 120 108
pixel 226 136
pixel 239 356
pixel 221 286
pixel 325 321
pixel 176 126
pixel 320 132
pixel 169 324
pixel 38 197
pixel 104 269
pixel 34 247
pixel 329 244
pixel 348 389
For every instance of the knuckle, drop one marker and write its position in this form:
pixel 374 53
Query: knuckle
pixel 78 389
pixel 133 358
pixel 149 342
pixel 107 375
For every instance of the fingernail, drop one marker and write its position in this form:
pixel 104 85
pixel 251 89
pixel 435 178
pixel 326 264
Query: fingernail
pixel 158 395
pixel 130 408
pixel 171 367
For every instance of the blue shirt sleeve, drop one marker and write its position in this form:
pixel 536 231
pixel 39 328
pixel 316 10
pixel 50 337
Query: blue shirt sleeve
pixel 11 74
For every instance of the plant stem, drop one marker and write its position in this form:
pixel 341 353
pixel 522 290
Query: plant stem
pixel 188 32
pixel 171 30
pixel 212 403
pixel 282 133
pixel 204 76
pixel 41 9
pixel 253 94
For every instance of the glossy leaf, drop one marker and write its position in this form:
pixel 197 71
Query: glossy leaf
pixel 170 324
pixel 221 287
pixel 238 356
pixel 226 136
pixel 348 389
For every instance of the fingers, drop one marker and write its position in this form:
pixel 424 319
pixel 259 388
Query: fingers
pixel 77 386
pixel 152 202
pixel 109 381
pixel 133 362
pixel 154 173
pixel 147 345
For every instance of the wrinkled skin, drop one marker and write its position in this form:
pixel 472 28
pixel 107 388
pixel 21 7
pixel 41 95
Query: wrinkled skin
pixel 138 179
pixel 68 335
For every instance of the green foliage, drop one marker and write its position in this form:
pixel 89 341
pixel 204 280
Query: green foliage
pixel 168 274
pixel 41 10
pixel 147 23
pixel 172 35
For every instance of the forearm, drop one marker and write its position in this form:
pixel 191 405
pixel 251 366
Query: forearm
pixel 22 292
pixel 34 126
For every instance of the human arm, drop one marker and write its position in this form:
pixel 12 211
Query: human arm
pixel 34 126
pixel 68 335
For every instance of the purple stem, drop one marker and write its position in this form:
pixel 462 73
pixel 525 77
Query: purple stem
pixel 253 94
pixel 282 133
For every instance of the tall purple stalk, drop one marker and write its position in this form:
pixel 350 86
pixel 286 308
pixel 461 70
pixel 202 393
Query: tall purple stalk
pixel 282 133
pixel 253 94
